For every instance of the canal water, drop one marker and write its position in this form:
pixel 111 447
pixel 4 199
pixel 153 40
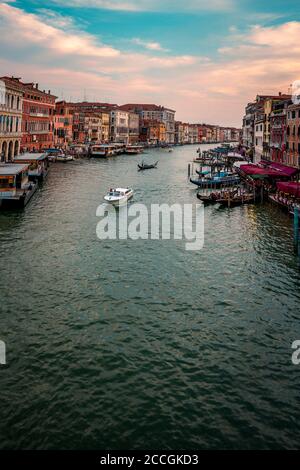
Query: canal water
pixel 142 344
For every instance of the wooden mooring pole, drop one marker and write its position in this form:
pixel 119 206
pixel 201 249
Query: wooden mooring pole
pixel 296 231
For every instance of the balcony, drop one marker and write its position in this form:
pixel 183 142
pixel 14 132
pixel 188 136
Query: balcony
pixel 41 115
pixel 10 134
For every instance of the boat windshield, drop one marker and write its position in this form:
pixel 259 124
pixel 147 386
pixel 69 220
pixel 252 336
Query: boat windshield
pixel 114 193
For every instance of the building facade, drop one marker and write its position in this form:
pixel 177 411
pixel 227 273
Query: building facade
pixel 63 124
pixel 152 132
pixel 133 128
pixel 119 126
pixel 152 112
pixel 92 128
pixel 248 126
pixel 278 131
pixel 105 118
pixel 179 132
pixel 293 136
pixel 37 118
pixel 11 103
pixel 193 133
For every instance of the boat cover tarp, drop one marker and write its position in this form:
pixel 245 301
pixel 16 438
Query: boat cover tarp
pixel 257 172
pixel 284 169
pixel 289 187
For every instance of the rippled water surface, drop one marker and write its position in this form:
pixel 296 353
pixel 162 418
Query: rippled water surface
pixel 123 344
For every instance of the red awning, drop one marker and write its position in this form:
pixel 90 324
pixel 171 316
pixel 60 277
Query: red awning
pixel 257 171
pixel 283 169
pixel 289 187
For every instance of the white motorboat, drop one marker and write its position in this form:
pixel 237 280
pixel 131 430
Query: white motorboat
pixel 134 149
pixel 64 158
pixel 102 151
pixel 118 196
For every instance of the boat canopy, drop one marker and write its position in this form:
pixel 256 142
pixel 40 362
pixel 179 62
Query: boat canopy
pixel 289 187
pixel 284 169
pixel 257 172
pixel 235 155
pixel 25 157
pixel 12 170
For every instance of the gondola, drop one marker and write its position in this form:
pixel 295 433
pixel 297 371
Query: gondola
pixel 144 166
pixel 207 198
pixel 202 173
pixel 216 182
pixel 237 200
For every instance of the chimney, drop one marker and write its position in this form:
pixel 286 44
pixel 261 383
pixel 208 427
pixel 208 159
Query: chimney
pixel 37 86
pixel 49 92
pixel 279 93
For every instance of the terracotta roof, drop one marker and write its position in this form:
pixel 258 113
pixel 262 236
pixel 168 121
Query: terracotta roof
pixel 144 107
pixel 26 86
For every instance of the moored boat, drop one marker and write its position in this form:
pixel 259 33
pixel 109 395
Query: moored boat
pixel 134 149
pixel 15 188
pixel 210 198
pixel 236 199
pixel 102 151
pixel 53 153
pixel 38 165
pixel 216 181
pixel 63 158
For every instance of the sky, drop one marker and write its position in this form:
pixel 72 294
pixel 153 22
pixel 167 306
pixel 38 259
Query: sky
pixel 204 58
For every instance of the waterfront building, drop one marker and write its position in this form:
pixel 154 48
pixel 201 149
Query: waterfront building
pixel 259 129
pixel 119 126
pixel 37 117
pixel 278 131
pixel 256 131
pixel 105 118
pixel 79 127
pixel 11 102
pixel 157 113
pixel 63 124
pixel 92 127
pixel 102 110
pixel 248 126
pixel 193 133
pixel 207 133
pixel 152 132
pixel 134 128
pixel 179 132
pixel 293 136
pixel 200 133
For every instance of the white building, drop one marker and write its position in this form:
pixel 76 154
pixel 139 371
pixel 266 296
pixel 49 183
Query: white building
pixel 119 126
pixel 11 103
pixel 152 112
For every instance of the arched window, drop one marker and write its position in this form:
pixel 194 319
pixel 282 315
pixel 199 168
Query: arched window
pixel 294 130
pixel 288 131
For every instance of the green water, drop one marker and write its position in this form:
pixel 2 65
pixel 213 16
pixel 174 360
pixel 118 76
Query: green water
pixel 123 344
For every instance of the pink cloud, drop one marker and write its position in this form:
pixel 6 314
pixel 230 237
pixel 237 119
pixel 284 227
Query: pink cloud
pixel 265 60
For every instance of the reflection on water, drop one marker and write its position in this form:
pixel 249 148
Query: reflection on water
pixel 123 344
